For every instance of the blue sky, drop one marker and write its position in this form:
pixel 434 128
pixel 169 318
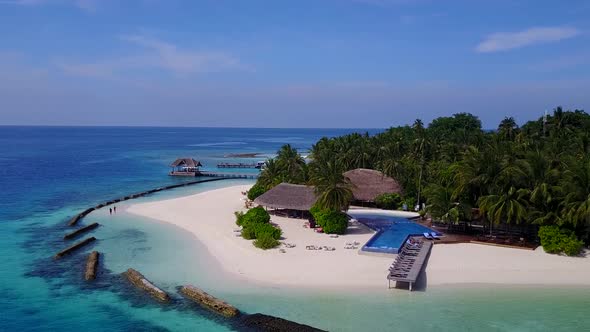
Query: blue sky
pixel 279 63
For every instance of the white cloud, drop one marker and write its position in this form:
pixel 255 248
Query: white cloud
pixel 503 41
pixel 168 56
pixel 156 54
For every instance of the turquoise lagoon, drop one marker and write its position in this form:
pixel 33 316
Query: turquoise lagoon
pixel 49 174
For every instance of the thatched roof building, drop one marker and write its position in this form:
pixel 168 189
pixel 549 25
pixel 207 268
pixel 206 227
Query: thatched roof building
pixel 186 162
pixel 288 196
pixel 368 184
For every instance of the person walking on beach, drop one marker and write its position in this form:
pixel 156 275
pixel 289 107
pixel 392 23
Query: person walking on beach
pixel 110 211
pixel 115 209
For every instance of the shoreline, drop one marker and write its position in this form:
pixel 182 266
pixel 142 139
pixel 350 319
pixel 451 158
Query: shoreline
pixel 209 216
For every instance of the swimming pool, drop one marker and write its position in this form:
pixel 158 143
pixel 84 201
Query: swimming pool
pixel 392 231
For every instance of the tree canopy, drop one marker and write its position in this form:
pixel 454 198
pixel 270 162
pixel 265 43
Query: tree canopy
pixel 534 174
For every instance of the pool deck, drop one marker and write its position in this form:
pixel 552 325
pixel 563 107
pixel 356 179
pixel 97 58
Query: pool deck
pixel 450 238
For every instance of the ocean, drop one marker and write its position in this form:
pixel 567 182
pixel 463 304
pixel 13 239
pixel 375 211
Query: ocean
pixel 48 174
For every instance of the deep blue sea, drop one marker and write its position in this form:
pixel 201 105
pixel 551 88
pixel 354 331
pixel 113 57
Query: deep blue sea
pixel 48 174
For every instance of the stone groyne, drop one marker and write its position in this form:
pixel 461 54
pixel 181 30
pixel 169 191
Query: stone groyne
pixel 209 301
pixel 266 323
pixel 74 247
pixel 91 266
pixel 84 213
pixel 139 281
pixel 81 231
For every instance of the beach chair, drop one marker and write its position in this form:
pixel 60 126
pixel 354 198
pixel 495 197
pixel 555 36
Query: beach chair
pixel 427 235
pixel 434 236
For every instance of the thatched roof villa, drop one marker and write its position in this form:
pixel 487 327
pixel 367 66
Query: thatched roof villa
pixel 367 184
pixel 289 197
pixel 185 167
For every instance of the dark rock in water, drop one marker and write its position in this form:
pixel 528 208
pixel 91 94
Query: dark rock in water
pixel 211 302
pixel 139 281
pixel 80 231
pixel 91 265
pixel 75 220
pixel 268 323
pixel 74 247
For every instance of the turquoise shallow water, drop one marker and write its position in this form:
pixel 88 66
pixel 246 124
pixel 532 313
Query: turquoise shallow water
pixel 46 178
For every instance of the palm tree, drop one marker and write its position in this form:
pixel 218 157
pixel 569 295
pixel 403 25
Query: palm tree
pixel 509 207
pixel 292 164
pixel 441 204
pixel 544 192
pixel 271 175
pixel 333 189
pixel 476 174
pixel 508 129
pixel 576 182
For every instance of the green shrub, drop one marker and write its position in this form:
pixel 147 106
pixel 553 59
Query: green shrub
pixel 422 214
pixel 555 240
pixel 256 225
pixel 253 216
pixel 331 221
pixel 266 241
pixel 388 201
pixel 239 217
pixel 255 191
pixel 262 229
pixel 248 233
pixel 410 202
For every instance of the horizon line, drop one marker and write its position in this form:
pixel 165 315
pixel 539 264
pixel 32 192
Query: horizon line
pixel 163 126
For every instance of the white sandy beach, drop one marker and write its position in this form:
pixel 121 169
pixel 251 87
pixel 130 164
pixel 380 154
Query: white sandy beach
pixel 210 217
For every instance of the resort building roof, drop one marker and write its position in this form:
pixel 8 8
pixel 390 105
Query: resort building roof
pixel 368 184
pixel 186 162
pixel 288 196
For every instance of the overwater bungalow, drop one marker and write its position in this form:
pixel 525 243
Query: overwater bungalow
pixel 367 184
pixel 185 167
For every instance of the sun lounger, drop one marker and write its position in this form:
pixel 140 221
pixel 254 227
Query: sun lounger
pixel 427 235
pixel 434 236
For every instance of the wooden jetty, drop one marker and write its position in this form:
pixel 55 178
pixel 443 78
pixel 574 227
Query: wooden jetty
pixel 409 263
pixel 74 247
pixel 229 175
pixel 238 165
pixel 81 231
pixel 139 281
pixel 209 301
pixel 91 266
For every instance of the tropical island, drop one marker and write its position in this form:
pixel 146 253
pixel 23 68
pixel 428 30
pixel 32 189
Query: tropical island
pixel 513 188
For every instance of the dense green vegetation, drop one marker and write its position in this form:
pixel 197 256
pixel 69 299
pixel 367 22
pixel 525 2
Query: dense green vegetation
pixel 331 221
pixel 256 191
pixel 388 201
pixel 555 240
pixel 524 177
pixel 266 241
pixel 256 226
